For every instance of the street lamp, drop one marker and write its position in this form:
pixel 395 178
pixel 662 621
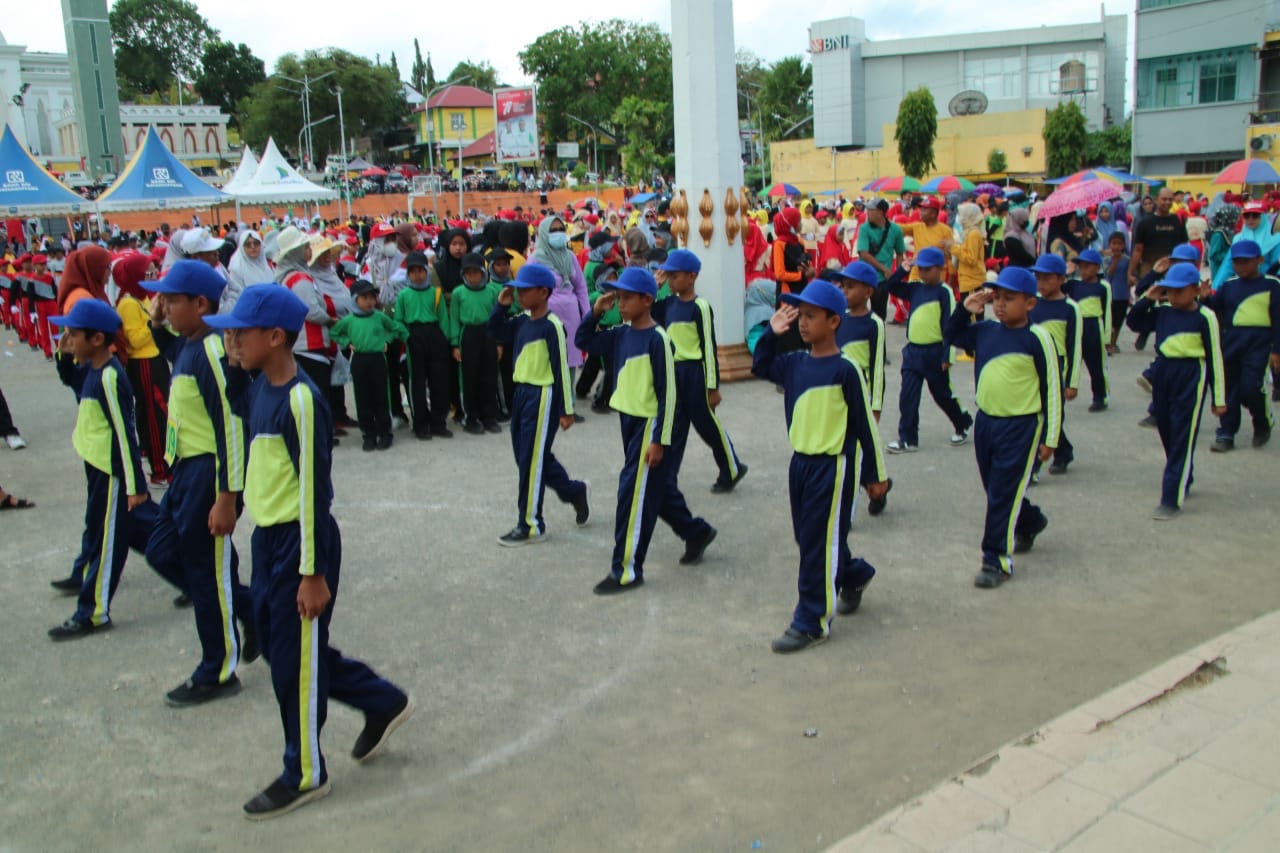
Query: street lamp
pixel 306 128
pixel 305 94
pixel 595 145
pixel 431 160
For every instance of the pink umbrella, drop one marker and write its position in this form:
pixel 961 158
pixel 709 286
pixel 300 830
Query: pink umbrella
pixel 1078 196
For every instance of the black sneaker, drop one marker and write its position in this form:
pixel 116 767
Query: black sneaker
pixel 473 428
pixel 694 548
pixel 181 600
pixel 579 419
pixel 795 641
pixel 73 630
pixel 582 506
pixel 1148 422
pixel 850 599
pixel 369 444
pixel 1058 467
pixel 877 505
pixel 1261 437
pixel 1223 445
pixel 601 408
pixel 1024 541
pixel 612 586
pixel 1098 406
pixel 990 577
pixel 492 426
pixel 278 798
pixel 340 432
pixel 442 432
pixel 1275 391
pixel 67 586
pixel 383 442
pixel 422 434
pixel 249 650
pixel 518 536
pixel 189 693
pixel 378 729
pixel 720 487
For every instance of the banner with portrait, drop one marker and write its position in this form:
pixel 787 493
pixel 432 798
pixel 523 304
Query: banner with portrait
pixel 516 133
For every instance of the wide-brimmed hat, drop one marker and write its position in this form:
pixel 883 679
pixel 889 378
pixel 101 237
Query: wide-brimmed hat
pixel 290 239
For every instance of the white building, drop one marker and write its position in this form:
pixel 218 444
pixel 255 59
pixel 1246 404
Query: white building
pixel 35 88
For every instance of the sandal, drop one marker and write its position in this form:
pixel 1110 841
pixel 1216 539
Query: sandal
pixel 14 502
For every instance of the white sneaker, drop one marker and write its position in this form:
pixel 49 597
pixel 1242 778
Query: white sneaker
pixel 398 422
pixel 959 438
pixel 15 441
pixel 901 447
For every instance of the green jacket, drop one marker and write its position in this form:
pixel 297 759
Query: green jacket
pixel 424 305
pixel 472 307
pixel 368 332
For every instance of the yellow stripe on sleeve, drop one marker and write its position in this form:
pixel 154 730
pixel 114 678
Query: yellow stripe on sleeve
pixel 304 417
pixel 1053 383
pixel 669 403
pixel 232 426
pixel 566 378
pixel 1214 357
pixel 708 343
pixel 111 391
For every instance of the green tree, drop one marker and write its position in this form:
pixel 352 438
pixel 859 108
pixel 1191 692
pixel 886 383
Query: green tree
pixel 228 72
pixel 1110 147
pixel 751 71
pixel 642 122
pixel 395 66
pixel 1065 136
pixel 786 98
pixel 916 129
pixel 373 100
pixel 483 75
pixel 430 80
pixel 418 73
pixel 996 161
pixel 155 41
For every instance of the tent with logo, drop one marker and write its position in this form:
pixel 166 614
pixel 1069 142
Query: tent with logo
pixel 155 180
pixel 276 182
pixel 244 172
pixel 26 188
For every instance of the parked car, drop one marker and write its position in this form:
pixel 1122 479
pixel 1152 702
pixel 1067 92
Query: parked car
pixel 77 180
pixel 396 183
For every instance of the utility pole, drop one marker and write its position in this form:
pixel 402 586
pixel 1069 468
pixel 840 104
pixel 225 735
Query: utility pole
pixel 431 133
pixel 460 177
pixel 342 131
pixel 305 93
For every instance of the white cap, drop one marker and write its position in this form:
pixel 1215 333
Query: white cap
pixel 200 240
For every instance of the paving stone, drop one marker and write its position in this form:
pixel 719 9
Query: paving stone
pixel 1055 813
pixel 875 842
pixel 1251 751
pixel 1171 672
pixel 1116 703
pixel 1258 837
pixel 1120 771
pixel 1235 694
pixel 1073 737
pixel 1123 833
pixel 945 814
pixel 1017 772
pixel 990 841
pixel 1200 802
pixel 1176 725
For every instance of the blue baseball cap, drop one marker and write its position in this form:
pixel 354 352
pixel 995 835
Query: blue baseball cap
pixel 931 257
pixel 633 280
pixel 1185 252
pixel 861 271
pixel 534 275
pixel 1089 256
pixel 823 294
pixel 1180 275
pixel 189 278
pixel 1050 264
pixel 263 306
pixel 1016 279
pixel 1245 249
pixel 91 314
pixel 681 260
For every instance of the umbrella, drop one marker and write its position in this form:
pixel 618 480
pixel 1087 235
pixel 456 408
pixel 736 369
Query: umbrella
pixel 782 189
pixel 1248 172
pixel 874 185
pixel 1078 196
pixel 988 188
pixel 832 192
pixel 1092 175
pixel 900 184
pixel 641 198
pixel 586 202
pixel 947 184
pixel 373 172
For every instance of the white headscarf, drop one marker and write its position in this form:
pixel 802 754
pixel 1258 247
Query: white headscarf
pixel 243 271
pixel 174 252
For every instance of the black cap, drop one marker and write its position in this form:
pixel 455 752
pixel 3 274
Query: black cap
pixel 416 259
pixel 664 227
pixel 656 254
pixel 663 206
pixel 473 261
pixel 363 286
pixel 603 270
pixel 600 238
pixel 497 253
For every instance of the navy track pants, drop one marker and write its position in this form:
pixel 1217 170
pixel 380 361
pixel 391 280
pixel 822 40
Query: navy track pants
pixel 533 431
pixel 1006 449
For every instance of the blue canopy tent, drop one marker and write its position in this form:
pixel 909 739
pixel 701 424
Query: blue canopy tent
pixel 642 198
pixel 155 180
pixel 26 188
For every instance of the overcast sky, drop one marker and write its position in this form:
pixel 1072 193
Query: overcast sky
pixel 496 30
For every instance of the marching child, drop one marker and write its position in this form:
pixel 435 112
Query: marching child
pixel 423 310
pixel 1188 352
pixel 191 543
pixel 1060 317
pixel 473 348
pixel 1116 262
pixel 368 332
pixel 1019 413
pixel 925 358
pixel 832 431
pixel 541 400
pixel 1093 295
pixel 297 551
pixel 44 302
pixel 688 321
pixel 643 365
pixel 104 438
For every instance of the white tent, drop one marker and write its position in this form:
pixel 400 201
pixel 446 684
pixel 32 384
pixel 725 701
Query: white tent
pixel 276 182
pixel 244 172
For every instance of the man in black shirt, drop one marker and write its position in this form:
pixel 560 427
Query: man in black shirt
pixel 1155 236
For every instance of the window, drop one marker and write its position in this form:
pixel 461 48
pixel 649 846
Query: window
pixel 1169 91
pixel 1196 78
pixel 1217 82
pixel 1206 167
pixel 1044 71
pixel 996 77
pixel 1143 5
pixel 457 121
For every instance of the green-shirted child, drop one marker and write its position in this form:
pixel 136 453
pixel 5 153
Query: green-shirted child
pixel 424 311
pixel 368 331
pixel 473 348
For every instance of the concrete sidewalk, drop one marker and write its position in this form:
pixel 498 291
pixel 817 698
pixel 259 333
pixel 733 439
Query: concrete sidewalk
pixel 1184 757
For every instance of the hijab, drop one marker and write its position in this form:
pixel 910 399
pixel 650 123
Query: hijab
pixel 243 271
pixel 785 224
pixel 174 252
pixel 561 260
pixel 406 238
pixel 292 262
pixel 514 237
pixel 1104 225
pixel 449 268
pixel 330 284
pixel 128 273
pixel 1016 226
pixel 86 270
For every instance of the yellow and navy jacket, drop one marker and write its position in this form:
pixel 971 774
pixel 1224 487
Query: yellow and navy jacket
pixel 200 417
pixel 1094 299
pixel 104 436
pixel 1061 319
pixel 861 339
pixel 691 327
pixel 1184 335
pixel 827 405
pixel 539 353
pixel 931 307
pixel 1249 313
pixel 643 362
pixel 368 333
pixel 1015 370
pixel 290 458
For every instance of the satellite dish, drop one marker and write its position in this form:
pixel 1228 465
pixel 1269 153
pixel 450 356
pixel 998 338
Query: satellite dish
pixel 970 102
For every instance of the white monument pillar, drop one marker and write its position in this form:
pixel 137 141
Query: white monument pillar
pixel 708 195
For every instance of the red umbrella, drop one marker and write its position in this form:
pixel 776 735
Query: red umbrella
pixel 1078 196
pixel 1249 171
pixel 373 172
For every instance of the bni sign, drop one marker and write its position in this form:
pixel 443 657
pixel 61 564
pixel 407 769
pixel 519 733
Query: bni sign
pixel 828 44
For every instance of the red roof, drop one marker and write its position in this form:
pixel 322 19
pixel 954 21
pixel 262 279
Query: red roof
pixel 461 96
pixel 482 147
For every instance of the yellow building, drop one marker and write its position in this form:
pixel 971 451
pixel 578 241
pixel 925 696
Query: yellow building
pixel 455 119
pixel 961 148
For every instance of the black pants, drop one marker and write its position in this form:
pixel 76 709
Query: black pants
pixel 398 377
pixel 429 368
pixel 6 419
pixel 321 373
pixel 373 395
pixel 479 374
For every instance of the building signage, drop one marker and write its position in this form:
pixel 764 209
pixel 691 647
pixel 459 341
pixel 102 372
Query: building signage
pixel 828 44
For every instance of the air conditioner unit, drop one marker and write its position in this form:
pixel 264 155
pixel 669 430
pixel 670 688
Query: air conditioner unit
pixel 1261 143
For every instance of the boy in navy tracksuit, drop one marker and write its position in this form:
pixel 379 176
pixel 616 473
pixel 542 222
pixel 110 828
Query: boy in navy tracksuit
pixel 1093 295
pixel 643 364
pixel 104 438
pixel 542 400
pixel 688 321
pixel 830 425
pixel 926 357
pixel 1188 354
pixel 191 544
pixel 1019 413
pixel 1248 308
pixel 1060 317
pixel 297 551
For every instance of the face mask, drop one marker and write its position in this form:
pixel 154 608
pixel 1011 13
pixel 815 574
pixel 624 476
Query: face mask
pixel 557 239
pixel 389 250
